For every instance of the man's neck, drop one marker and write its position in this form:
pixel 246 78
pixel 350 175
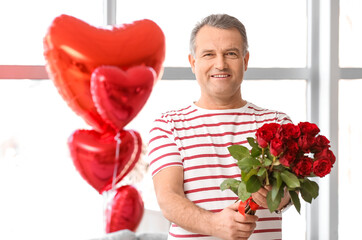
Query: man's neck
pixel 220 104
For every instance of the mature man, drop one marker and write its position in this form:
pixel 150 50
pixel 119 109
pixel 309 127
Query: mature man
pixel 188 147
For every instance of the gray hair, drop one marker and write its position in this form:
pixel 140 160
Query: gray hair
pixel 222 21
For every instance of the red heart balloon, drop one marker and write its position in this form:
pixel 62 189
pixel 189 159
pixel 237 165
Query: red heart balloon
pixel 125 210
pixel 73 49
pixel 120 95
pixel 94 156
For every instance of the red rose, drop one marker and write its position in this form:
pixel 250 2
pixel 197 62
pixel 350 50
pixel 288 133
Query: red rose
pixel 322 167
pixel 289 131
pixel 306 143
pixel 304 166
pixel 292 146
pixel 276 147
pixel 307 128
pixel 326 154
pixel 287 158
pixel 266 133
pixel 261 138
pixel 321 142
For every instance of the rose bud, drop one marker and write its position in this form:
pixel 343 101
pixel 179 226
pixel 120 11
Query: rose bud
pixel 260 139
pixel 304 167
pixel 266 133
pixel 287 158
pixel 321 142
pixel 289 131
pixel 306 142
pixel 327 154
pixel 292 147
pixel 307 128
pixel 276 147
pixel 322 167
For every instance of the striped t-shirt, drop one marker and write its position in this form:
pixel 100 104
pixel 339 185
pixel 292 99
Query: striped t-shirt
pixel 197 140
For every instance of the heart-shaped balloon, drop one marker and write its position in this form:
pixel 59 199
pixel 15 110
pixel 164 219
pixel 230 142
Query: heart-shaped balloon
pixel 73 49
pixel 119 95
pixel 94 156
pixel 125 210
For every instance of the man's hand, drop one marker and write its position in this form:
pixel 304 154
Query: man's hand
pixel 260 197
pixel 230 224
pixel 226 224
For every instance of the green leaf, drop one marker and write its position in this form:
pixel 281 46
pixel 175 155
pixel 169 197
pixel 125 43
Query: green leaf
pixel 261 171
pixel 231 184
pixel 305 195
pixel 255 152
pixel 309 190
pixel 279 168
pixel 274 191
pixel 267 162
pixel 295 199
pixel 247 176
pixel 238 152
pixel 252 142
pixel 248 163
pixel 273 204
pixel 243 194
pixel 290 179
pixel 311 187
pixel 253 185
pixel 278 178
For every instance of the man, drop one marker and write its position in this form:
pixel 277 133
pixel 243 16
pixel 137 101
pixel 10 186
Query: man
pixel 188 147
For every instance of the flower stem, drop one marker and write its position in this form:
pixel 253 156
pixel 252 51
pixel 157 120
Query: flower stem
pixel 272 165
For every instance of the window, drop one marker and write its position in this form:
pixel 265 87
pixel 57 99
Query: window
pixel 349 130
pixel 24 24
pixel 350 140
pixel 350 52
pixel 274 42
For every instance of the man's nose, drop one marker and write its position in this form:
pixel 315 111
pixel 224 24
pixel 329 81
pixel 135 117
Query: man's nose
pixel 220 62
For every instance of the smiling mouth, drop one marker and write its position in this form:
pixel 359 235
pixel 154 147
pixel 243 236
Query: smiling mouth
pixel 220 75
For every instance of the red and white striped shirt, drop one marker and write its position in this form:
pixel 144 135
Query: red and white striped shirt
pixel 197 140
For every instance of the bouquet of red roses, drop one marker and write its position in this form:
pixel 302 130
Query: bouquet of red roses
pixel 282 156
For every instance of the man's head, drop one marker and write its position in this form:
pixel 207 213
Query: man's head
pixel 219 60
pixel 222 21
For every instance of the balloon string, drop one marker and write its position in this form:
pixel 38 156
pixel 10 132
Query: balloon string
pixel 109 195
pixel 108 202
pixel 133 156
pixel 119 141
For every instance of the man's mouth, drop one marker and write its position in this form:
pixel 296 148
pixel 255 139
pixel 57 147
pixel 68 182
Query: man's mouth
pixel 220 75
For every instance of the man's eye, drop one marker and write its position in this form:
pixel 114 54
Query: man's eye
pixel 231 54
pixel 208 54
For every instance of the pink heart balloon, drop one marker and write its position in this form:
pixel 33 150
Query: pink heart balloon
pixel 120 95
pixel 125 210
pixel 94 156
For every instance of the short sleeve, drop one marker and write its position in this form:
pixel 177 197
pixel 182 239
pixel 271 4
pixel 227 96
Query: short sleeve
pixel 282 118
pixel 162 149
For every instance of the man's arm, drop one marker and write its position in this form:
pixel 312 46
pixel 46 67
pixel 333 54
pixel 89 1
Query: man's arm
pixel 227 224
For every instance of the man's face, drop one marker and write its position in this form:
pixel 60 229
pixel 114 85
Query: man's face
pixel 219 63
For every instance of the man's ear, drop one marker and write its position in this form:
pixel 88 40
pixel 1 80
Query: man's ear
pixel 246 61
pixel 192 62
